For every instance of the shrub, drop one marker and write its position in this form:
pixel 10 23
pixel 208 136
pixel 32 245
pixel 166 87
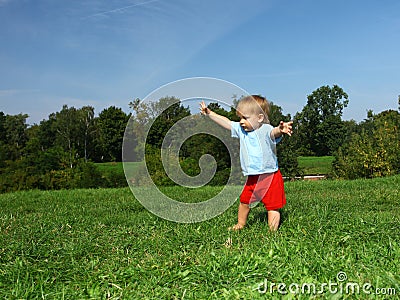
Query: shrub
pixel 87 175
pixel 369 155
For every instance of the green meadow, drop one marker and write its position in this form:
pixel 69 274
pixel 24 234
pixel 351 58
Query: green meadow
pixel 316 165
pixel 310 165
pixel 102 244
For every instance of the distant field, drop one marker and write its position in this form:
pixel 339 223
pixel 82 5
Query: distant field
pixel 117 167
pixel 98 244
pixel 313 165
pixel 110 166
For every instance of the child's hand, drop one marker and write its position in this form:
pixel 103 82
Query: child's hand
pixel 286 127
pixel 204 110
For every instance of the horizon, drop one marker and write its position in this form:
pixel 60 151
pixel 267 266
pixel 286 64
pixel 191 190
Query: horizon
pixel 193 108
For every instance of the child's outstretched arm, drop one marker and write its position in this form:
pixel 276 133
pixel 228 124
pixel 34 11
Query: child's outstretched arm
pixel 220 120
pixel 281 129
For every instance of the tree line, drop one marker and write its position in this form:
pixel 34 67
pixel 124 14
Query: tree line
pixel 62 150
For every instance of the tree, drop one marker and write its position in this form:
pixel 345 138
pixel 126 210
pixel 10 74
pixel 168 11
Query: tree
pixel 68 131
pixel 47 132
pixel 321 121
pixel 135 133
pixel 398 102
pixel 14 135
pixel 165 113
pixel 286 149
pixel 372 152
pixel 89 128
pixel 300 136
pixel 3 150
pixel 2 127
pixel 71 128
pixel 141 112
pixel 112 123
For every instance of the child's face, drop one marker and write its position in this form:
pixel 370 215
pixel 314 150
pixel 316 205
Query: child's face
pixel 249 120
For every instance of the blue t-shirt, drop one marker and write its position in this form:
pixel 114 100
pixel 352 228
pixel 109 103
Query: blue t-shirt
pixel 257 149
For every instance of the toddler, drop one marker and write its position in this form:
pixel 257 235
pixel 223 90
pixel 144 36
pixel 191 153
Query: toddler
pixel 258 158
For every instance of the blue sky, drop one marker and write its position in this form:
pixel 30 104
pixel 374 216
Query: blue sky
pixel 104 53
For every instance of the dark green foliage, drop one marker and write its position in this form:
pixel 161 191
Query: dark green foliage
pixel 13 136
pixel 87 175
pixel 200 144
pixel 112 123
pixel 374 151
pixel 168 111
pixel 155 167
pixel 221 177
pixel 322 128
pixel 288 158
pixel 231 114
pixel 328 136
pixel 52 154
pixel 286 149
pixel 68 135
pixel 112 177
pixel 2 127
pixel 22 175
pixel 47 133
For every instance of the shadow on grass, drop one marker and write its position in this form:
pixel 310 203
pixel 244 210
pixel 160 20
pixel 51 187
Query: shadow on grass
pixel 261 216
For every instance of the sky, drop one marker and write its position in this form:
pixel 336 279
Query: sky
pixel 107 53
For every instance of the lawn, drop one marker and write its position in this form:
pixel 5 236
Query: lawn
pixel 92 244
pixel 316 165
pixel 310 165
pixel 117 167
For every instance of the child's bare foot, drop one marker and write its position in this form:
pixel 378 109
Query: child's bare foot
pixel 236 227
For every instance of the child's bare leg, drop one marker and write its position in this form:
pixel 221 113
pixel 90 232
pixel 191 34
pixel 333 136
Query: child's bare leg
pixel 243 213
pixel 274 217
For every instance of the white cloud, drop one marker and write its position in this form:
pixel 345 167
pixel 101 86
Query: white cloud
pixel 118 10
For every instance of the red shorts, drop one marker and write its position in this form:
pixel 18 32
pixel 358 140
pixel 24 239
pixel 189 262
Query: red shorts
pixel 267 188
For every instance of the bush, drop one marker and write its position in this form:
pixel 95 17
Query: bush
pixel 288 158
pixel 369 155
pixel 113 179
pixel 18 175
pixel 155 167
pixel 57 180
pixel 87 175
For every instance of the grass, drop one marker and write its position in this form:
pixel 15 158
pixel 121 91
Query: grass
pixel 113 172
pixel 316 165
pixel 311 165
pixel 117 167
pixel 110 166
pixel 94 244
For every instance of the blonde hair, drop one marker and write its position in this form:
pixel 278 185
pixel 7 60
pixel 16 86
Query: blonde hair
pixel 257 104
